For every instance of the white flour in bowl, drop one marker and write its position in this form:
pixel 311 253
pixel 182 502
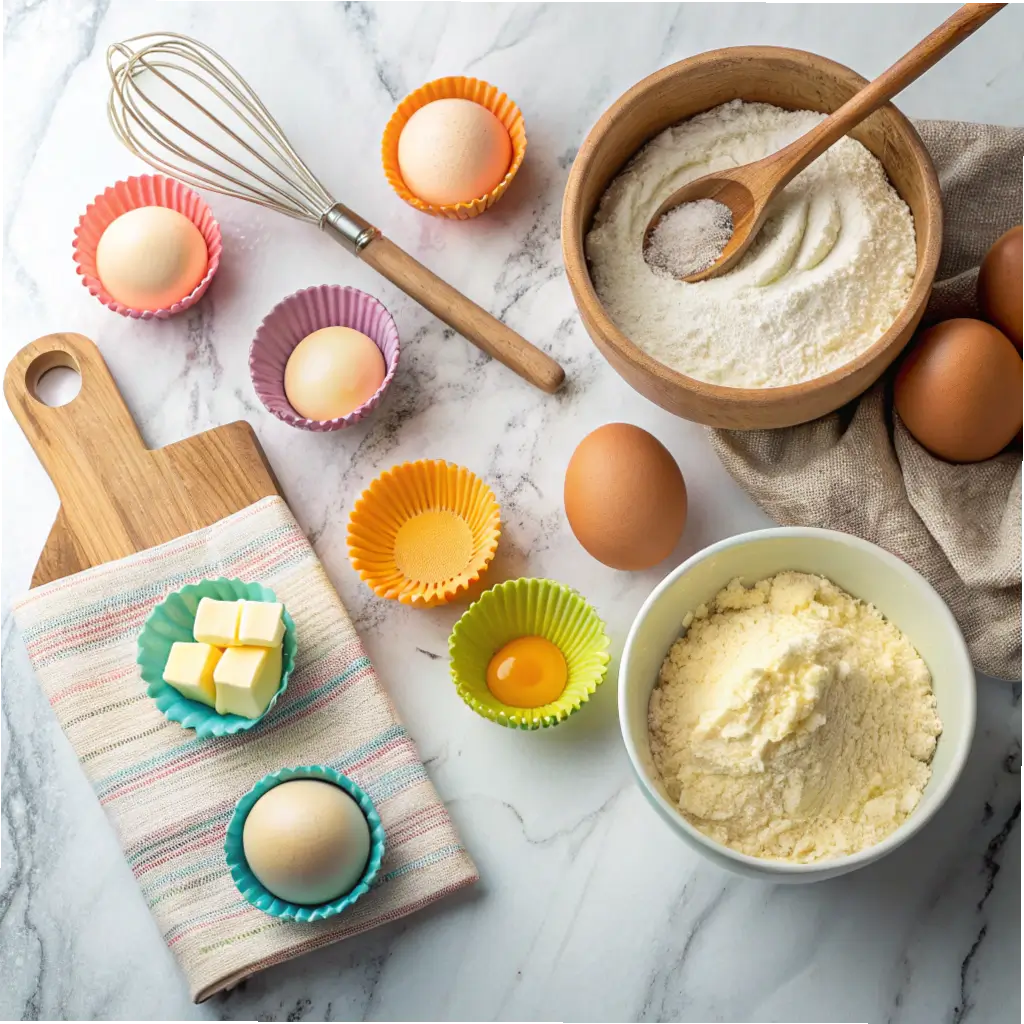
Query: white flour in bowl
pixel 825 278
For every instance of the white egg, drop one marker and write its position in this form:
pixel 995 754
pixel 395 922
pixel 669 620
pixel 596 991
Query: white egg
pixel 307 841
pixel 151 257
pixel 332 372
pixel 453 151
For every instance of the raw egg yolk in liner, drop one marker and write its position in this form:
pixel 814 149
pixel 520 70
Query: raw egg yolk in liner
pixel 527 672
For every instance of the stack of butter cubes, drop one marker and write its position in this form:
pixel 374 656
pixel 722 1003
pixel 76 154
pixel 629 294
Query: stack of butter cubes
pixel 234 665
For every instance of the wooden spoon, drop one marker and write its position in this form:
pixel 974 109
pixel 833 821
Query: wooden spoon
pixel 747 190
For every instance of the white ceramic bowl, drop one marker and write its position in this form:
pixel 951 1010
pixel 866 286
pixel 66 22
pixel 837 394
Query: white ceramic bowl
pixel 900 593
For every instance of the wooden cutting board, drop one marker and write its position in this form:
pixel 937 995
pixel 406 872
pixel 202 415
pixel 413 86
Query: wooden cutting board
pixel 117 496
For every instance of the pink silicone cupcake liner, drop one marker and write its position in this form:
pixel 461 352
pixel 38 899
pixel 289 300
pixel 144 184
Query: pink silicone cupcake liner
pixel 309 310
pixel 146 190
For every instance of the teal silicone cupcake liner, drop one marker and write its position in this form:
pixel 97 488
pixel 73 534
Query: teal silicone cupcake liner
pixel 249 885
pixel 172 620
pixel 529 607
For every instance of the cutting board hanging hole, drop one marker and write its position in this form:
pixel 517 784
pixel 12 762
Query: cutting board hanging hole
pixel 54 379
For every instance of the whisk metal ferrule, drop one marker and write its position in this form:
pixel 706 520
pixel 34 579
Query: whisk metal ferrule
pixel 348 228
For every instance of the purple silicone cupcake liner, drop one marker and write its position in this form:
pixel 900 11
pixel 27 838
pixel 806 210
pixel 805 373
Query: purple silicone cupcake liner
pixel 298 315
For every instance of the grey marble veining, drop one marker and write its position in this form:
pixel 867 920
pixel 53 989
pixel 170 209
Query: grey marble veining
pixel 588 907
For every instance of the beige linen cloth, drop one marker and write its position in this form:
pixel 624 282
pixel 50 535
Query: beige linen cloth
pixel 860 471
pixel 170 795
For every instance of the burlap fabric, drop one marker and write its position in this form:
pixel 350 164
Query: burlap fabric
pixel 860 471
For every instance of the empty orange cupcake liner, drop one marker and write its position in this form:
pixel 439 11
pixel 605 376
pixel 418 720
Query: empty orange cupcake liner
pixel 423 533
pixel 454 87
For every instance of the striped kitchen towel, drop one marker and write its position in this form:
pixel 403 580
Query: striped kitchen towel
pixel 170 795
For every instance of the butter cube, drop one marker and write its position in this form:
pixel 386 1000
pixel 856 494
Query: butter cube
pixel 217 622
pixel 261 624
pixel 190 670
pixel 247 679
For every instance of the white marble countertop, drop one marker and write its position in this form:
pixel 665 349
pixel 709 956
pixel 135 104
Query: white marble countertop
pixel 588 907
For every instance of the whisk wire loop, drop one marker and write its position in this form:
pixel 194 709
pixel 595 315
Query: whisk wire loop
pixel 202 79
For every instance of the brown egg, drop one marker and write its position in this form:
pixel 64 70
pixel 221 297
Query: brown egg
pixel 959 391
pixel 1001 285
pixel 625 498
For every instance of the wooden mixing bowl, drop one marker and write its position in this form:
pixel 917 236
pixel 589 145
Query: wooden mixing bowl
pixel 786 78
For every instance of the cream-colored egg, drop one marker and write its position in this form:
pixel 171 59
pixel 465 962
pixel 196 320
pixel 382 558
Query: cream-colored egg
pixel 452 151
pixel 307 841
pixel 151 257
pixel 332 372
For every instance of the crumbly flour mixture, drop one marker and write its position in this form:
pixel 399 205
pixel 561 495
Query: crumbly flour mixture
pixel 824 279
pixel 792 721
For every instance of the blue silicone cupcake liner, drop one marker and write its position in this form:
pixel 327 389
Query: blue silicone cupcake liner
pixel 172 620
pixel 249 885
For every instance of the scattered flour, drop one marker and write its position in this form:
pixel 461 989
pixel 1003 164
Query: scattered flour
pixel 824 279
pixel 689 238
pixel 792 721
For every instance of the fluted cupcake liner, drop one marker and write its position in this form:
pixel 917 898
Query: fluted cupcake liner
pixel 454 87
pixel 299 315
pixel 133 194
pixel 424 532
pixel 250 886
pixel 529 607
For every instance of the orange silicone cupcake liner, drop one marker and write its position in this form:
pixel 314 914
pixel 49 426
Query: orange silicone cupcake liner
pixel 454 87
pixel 423 533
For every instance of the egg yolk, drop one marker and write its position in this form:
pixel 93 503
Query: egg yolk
pixel 527 672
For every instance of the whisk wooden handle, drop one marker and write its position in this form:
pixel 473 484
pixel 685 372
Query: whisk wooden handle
pixel 473 323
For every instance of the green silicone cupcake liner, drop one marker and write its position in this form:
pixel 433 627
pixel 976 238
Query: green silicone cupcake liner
pixel 172 620
pixel 528 607
pixel 252 889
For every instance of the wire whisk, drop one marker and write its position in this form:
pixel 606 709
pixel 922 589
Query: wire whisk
pixel 183 109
